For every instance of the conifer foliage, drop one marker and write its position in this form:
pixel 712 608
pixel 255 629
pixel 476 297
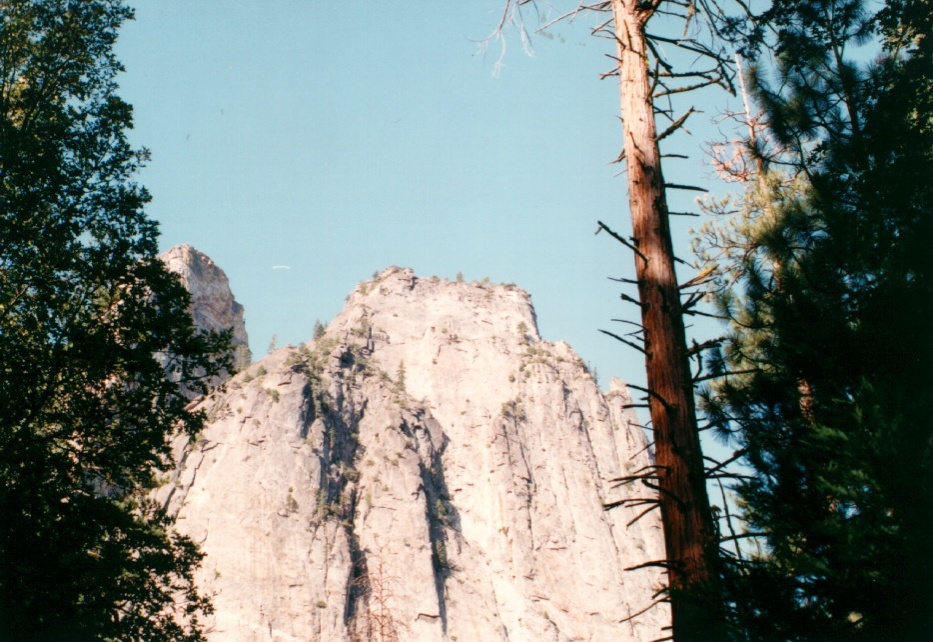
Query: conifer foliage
pixel 825 380
pixel 89 322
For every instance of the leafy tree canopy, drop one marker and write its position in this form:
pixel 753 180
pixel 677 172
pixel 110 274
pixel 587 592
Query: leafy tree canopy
pixel 89 322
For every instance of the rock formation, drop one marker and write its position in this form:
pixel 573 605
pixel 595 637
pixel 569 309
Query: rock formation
pixel 427 469
pixel 212 304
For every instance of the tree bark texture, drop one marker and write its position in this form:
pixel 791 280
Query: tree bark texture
pixel 688 528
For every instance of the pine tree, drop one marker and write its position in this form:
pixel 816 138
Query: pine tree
pixel 826 385
pixel 89 321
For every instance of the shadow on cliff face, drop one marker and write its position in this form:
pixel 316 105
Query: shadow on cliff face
pixel 442 517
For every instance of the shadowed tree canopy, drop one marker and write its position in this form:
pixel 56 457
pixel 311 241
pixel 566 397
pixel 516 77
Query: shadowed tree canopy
pixel 89 322
pixel 826 381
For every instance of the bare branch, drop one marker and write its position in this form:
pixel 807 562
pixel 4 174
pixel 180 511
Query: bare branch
pixel 625 297
pixel 659 563
pixel 651 393
pixel 724 374
pixel 603 226
pixel 700 347
pixel 647 608
pixel 642 514
pixel 732 538
pixel 622 280
pixel 686 187
pixel 694 297
pixel 630 344
pixel 703 277
pixel 722 464
pixel 680 90
pixel 621 481
pixel 631 501
pixel 637 325
pixel 676 125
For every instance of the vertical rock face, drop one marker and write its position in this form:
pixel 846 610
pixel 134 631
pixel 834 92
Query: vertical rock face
pixel 212 304
pixel 428 469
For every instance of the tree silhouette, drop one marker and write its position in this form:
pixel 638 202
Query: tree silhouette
pixel 89 321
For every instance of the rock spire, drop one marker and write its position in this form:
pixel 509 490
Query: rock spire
pixel 212 304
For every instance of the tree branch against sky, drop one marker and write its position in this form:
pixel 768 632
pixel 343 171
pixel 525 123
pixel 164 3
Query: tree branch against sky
pixel 647 81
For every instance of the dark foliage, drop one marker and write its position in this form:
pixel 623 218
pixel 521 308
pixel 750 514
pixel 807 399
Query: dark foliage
pixel 89 321
pixel 831 333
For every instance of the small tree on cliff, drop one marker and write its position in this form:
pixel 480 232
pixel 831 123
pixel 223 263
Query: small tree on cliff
pixel 88 318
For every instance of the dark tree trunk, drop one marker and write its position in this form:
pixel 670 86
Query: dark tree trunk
pixel 688 528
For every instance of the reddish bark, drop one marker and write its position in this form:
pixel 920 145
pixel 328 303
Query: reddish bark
pixel 688 527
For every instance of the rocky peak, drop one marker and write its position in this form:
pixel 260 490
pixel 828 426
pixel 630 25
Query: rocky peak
pixel 428 469
pixel 212 304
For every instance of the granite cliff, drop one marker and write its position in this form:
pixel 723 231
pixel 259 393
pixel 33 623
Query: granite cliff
pixel 212 304
pixel 428 468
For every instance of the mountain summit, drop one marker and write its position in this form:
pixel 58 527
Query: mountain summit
pixel 427 468
pixel 212 304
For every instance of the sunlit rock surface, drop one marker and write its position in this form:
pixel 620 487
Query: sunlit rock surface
pixel 212 304
pixel 428 469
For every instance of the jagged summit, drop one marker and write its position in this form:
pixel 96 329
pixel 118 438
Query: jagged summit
pixel 427 469
pixel 212 304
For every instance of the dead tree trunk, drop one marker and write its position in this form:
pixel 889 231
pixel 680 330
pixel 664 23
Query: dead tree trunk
pixel 688 528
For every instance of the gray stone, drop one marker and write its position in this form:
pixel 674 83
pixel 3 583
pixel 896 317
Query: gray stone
pixel 429 469
pixel 213 307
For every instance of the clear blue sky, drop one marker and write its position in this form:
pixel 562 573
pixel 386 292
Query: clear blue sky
pixel 341 138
